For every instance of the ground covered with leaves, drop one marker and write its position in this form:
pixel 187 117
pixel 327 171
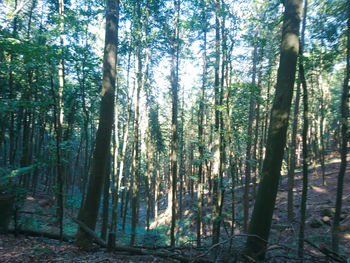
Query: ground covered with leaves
pixel 38 213
pixel 36 249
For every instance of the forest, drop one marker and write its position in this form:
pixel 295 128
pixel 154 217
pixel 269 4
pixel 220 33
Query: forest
pixel 174 131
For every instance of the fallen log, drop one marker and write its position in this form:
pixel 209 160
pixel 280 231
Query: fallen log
pixel 88 230
pixel 33 233
pixel 136 251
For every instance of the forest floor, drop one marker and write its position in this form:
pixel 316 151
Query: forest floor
pixel 283 237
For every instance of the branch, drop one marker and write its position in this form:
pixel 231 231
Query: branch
pixel 327 252
pixel 133 250
pixel 14 14
pixel 34 233
pixel 88 230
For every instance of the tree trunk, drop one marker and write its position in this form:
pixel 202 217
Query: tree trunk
pixel 292 162
pixel 305 156
pixel 260 223
pixel 136 160
pixel 250 138
pixel 58 131
pixel 304 138
pixel 292 165
pixel 174 122
pixel 344 140
pixel 89 211
pixel 216 143
pixel 201 132
pixel 105 203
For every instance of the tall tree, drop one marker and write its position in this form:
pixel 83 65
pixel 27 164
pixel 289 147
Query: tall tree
pixel 250 134
pixel 261 220
pixel 217 136
pixel 304 138
pixel 136 152
pixel 89 211
pixel 60 169
pixel 344 109
pixel 201 131
pixel 174 121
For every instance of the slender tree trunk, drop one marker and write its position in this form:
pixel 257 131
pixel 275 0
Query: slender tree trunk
pixel 182 153
pixel 322 144
pixel 260 223
pixel 292 164
pixel 86 136
pixel 221 117
pixel 305 143
pixel 128 192
pixel 115 175
pixel 105 204
pixel 149 146
pixel 344 140
pixel 232 158
pixel 174 122
pixel 305 157
pixel 13 136
pixel 250 138
pixel 136 160
pixel 216 143
pixel 58 131
pixel 157 185
pixel 121 175
pixel 88 213
pixel 201 133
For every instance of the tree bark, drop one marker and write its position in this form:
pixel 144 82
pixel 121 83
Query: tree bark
pixel 304 138
pixel 136 160
pixel 174 122
pixel 344 109
pixel 261 220
pixel 89 211
pixel 250 138
pixel 201 132
pixel 105 204
pixel 216 142
pixel 305 157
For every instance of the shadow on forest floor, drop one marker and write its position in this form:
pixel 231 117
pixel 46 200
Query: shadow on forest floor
pixel 320 210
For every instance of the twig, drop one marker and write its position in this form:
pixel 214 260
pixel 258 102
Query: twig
pixel 251 260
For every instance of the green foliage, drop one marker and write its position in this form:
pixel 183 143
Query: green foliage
pixel 153 238
pixel 8 178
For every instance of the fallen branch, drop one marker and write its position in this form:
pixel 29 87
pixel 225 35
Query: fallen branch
pixel 88 230
pixel 33 233
pixel 249 259
pixel 165 254
pixel 327 252
pixel 34 213
pixel 133 250
pixel 346 197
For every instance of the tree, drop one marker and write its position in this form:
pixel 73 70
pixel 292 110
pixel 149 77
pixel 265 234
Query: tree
pixel 136 157
pixel 344 109
pixel 174 121
pixel 88 212
pixel 217 168
pixel 261 219
pixel 302 79
pixel 249 160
